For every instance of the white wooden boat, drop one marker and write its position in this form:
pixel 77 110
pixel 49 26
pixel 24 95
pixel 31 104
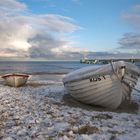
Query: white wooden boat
pixel 107 85
pixel 15 80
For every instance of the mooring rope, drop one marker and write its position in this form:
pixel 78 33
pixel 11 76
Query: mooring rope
pixel 122 81
pixel 114 71
pixel 136 89
pixel 128 84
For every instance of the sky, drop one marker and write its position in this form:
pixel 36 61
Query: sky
pixel 69 29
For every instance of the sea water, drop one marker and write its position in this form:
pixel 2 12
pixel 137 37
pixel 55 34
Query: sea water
pixel 42 67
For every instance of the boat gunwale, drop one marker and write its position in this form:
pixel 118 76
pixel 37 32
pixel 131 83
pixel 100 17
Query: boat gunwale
pixel 99 72
pixel 19 75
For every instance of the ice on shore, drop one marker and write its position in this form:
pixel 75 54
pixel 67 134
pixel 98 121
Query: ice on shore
pixel 38 111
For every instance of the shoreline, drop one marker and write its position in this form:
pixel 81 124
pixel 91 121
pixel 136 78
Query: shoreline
pixel 43 110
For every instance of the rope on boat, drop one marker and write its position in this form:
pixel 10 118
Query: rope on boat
pixel 128 84
pixel 121 80
pixel 136 89
pixel 114 71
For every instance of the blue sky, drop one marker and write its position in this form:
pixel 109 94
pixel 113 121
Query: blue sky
pixel 101 20
pixel 69 27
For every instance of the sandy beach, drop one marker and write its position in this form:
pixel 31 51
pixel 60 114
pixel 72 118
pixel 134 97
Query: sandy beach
pixel 42 110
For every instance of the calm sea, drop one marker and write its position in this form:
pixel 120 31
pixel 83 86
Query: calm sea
pixel 40 67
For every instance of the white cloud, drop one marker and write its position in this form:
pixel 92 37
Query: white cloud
pixel 133 17
pixel 14 33
pixel 67 49
pixel 34 35
pixel 12 5
pixel 133 20
pixel 55 23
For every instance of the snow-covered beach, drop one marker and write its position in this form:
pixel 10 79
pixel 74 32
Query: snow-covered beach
pixel 43 110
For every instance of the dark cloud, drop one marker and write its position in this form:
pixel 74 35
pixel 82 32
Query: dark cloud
pixel 46 46
pixel 114 55
pixel 6 52
pixel 130 41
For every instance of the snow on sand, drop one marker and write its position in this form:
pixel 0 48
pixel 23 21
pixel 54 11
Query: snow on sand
pixel 38 111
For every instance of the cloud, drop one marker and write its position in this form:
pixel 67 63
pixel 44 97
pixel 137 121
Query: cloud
pixel 30 35
pixel 133 20
pixel 133 17
pixel 49 41
pixel 14 33
pixel 131 41
pixel 54 23
pixel 46 46
pixel 12 5
pixel 6 52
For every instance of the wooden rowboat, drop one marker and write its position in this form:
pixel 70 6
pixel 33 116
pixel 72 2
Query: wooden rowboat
pixel 107 85
pixel 15 80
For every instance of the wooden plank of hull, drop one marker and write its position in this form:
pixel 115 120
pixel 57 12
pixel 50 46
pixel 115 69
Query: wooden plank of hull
pixel 87 73
pixel 87 86
pixel 98 94
pixel 109 99
pixel 95 90
pixel 86 83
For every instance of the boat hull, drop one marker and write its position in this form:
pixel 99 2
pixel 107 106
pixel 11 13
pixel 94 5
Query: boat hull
pixel 105 90
pixel 15 80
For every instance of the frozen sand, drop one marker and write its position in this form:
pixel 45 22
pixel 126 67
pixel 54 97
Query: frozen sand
pixel 42 110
